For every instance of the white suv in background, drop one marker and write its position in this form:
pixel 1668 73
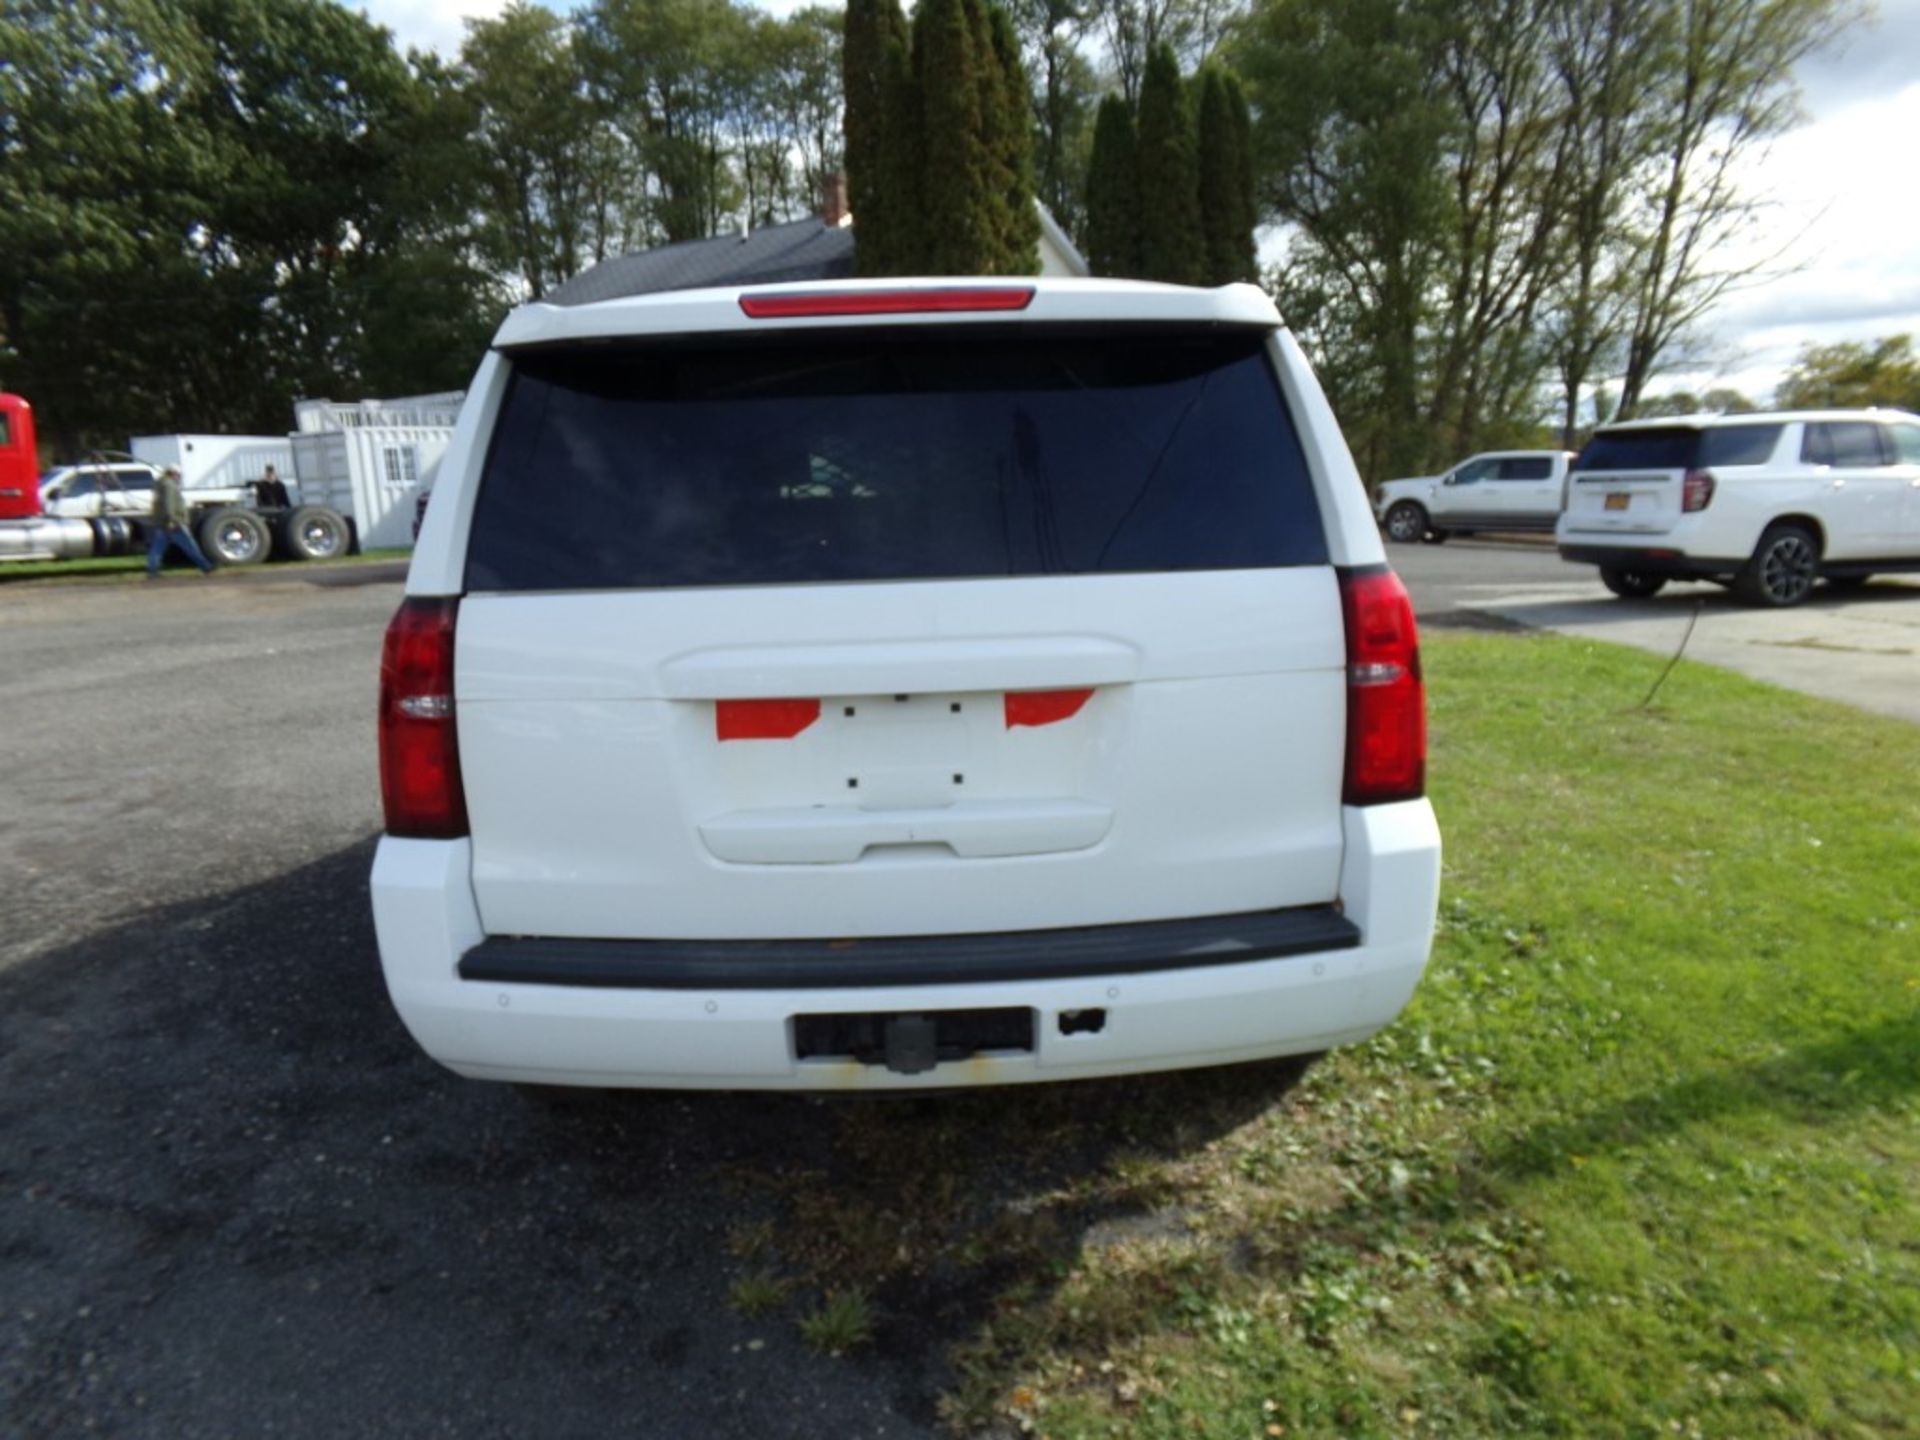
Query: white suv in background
pixel 1499 490
pixel 899 683
pixel 1765 503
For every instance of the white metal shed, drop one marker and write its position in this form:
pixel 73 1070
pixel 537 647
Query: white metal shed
pixel 371 460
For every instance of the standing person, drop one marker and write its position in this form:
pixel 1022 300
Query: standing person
pixel 271 489
pixel 167 525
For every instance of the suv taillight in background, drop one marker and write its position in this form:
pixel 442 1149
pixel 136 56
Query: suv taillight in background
pixel 419 749
pixel 1696 491
pixel 1386 702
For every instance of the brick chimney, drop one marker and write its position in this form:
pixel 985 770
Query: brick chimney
pixel 833 200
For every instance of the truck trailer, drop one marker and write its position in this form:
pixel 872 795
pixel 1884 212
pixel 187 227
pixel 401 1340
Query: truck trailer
pixel 239 510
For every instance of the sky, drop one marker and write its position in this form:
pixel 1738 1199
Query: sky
pixel 1841 229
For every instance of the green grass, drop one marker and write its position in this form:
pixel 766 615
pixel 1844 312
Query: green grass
pixel 1641 1159
pixel 843 1322
pixel 133 567
pixel 757 1293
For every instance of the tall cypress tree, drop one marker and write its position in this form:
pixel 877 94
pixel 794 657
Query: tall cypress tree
pixel 1113 192
pixel 955 217
pixel 876 36
pixel 1020 243
pixel 1246 213
pixel 995 219
pixel 1224 209
pixel 1172 246
pixel 902 165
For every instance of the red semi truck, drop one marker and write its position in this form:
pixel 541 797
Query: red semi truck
pixel 27 534
pixel 236 526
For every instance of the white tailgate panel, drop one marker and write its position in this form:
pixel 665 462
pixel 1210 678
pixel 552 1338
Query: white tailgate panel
pixel 1203 776
pixel 1644 502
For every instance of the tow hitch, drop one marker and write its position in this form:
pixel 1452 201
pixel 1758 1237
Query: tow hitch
pixel 912 1044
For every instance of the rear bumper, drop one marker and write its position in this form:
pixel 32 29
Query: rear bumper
pixel 915 960
pixel 1649 560
pixel 694 1035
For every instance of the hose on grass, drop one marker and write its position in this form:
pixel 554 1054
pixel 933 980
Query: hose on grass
pixel 1692 621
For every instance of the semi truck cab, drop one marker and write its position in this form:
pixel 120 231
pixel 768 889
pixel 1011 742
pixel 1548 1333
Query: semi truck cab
pixel 19 464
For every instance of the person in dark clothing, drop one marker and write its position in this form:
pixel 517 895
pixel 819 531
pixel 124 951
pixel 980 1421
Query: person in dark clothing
pixel 167 525
pixel 270 489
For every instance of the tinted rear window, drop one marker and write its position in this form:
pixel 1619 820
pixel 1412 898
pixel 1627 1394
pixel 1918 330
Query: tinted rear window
pixel 889 457
pixel 1679 448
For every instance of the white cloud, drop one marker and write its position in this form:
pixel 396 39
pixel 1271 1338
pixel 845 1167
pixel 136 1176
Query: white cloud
pixel 439 24
pixel 1846 224
pixel 428 24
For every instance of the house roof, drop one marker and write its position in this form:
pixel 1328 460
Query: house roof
pixel 807 249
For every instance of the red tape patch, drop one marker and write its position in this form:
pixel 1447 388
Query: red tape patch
pixel 1044 707
pixel 763 719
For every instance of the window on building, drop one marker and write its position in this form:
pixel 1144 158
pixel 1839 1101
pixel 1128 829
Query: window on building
pixel 402 466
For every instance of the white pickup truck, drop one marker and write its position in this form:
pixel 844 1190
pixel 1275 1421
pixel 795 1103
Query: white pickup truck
pixel 239 521
pixel 1495 490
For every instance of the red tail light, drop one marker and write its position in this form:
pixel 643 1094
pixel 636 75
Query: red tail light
pixel 1696 491
pixel 1386 702
pixel 419 748
pixel 931 300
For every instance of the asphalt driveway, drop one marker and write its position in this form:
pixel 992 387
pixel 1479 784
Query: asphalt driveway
pixel 235 1200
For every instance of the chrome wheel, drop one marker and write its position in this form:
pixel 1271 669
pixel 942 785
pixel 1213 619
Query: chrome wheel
pixel 234 537
pixel 235 543
pixel 1406 522
pixel 320 538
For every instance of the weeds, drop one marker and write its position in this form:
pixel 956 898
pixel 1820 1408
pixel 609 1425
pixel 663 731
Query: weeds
pixel 843 1322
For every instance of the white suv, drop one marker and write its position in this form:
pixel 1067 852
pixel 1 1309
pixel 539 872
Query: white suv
pixel 1498 490
pixel 899 684
pixel 1764 503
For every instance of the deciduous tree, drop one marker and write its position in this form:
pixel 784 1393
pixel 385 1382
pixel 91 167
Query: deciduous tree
pixel 1852 374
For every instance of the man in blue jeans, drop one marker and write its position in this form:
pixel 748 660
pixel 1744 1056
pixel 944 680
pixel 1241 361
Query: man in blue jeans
pixel 167 525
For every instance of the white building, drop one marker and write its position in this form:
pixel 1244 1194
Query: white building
pixel 371 459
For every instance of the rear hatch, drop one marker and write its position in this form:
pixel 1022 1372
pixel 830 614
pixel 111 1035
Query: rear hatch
pixel 898 631
pixel 1628 482
pixel 1633 481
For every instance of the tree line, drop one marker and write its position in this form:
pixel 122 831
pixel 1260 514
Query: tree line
pixel 1484 220
pixel 211 207
pixel 1170 188
pixel 939 145
pixel 1515 210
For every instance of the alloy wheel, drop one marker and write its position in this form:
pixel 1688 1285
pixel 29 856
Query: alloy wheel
pixel 1787 568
